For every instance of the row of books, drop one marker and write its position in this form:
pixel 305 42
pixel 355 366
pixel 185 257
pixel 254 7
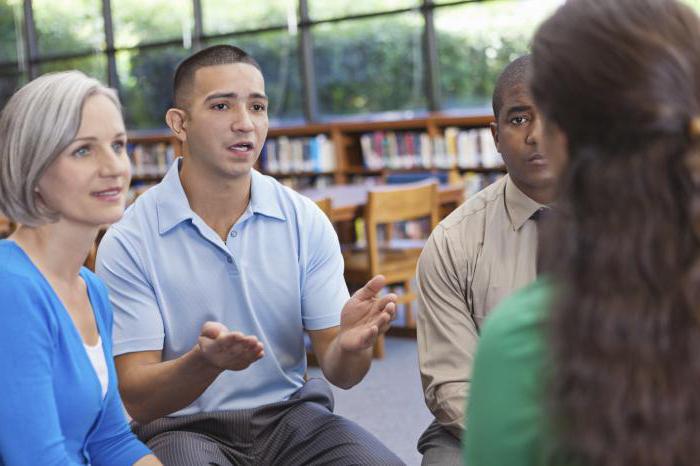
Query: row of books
pixel 307 182
pixel 470 148
pixel 137 188
pixel 298 155
pixel 150 159
pixel 475 182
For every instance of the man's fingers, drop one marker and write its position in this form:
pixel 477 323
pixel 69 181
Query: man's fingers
pixel 371 288
pixel 386 301
pixel 371 335
pixel 386 324
pixel 382 319
pixel 213 329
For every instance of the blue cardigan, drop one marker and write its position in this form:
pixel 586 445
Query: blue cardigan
pixel 51 406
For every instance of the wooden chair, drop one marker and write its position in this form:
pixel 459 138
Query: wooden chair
pixel 325 205
pixel 6 227
pixel 395 259
pixel 92 255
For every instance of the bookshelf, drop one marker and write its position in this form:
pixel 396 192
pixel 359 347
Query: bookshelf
pixel 150 155
pixel 455 149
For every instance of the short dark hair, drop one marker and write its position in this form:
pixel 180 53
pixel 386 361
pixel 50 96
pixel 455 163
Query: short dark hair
pixel 210 56
pixel 514 74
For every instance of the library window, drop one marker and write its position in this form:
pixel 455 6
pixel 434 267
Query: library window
pixel 323 9
pixel 145 76
pixel 138 22
pixel 10 24
pixel 277 54
pixel 225 16
pixel 475 42
pixel 340 59
pixel 92 65
pixel 68 27
pixel 10 79
pixel 369 65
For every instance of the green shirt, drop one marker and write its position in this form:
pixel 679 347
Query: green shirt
pixel 506 423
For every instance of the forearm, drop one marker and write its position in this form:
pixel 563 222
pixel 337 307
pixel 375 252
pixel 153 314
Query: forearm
pixel 345 369
pixel 448 404
pixel 151 391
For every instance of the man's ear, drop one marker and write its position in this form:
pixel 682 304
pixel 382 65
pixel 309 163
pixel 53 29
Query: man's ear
pixel 494 132
pixel 177 122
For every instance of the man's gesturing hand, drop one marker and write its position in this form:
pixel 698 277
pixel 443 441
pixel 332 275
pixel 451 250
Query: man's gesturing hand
pixel 228 350
pixel 364 316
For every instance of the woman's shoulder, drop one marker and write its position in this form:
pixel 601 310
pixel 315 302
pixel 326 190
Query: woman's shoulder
pixel 16 269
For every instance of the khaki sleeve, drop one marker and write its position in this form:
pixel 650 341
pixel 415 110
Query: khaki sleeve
pixel 447 334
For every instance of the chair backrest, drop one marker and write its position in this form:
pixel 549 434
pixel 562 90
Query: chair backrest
pixel 325 205
pixel 6 227
pixel 387 205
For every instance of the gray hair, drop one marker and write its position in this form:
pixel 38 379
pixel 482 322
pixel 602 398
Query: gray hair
pixel 39 121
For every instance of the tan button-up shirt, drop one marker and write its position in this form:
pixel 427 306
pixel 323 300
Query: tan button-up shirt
pixel 479 254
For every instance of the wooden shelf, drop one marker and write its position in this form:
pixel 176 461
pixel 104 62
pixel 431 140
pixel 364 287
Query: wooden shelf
pixel 385 171
pixel 295 174
pixel 369 126
pixel 299 131
pixel 499 169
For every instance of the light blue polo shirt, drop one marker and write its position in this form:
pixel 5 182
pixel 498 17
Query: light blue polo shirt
pixel 279 272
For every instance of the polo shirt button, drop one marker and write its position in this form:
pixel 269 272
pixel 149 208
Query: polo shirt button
pixel 234 233
pixel 229 260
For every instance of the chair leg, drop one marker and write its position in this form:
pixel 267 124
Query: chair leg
pixel 410 321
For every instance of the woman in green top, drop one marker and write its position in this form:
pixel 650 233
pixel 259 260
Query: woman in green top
pixel 600 364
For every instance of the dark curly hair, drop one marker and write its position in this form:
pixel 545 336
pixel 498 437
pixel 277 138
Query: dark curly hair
pixel 621 80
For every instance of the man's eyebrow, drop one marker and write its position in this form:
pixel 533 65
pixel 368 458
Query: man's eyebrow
pixel 221 95
pixel 519 108
pixel 233 95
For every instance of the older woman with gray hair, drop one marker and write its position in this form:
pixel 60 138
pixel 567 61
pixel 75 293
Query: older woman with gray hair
pixel 64 172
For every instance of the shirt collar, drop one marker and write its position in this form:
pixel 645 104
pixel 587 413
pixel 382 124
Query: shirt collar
pixel 264 199
pixel 171 201
pixel 519 207
pixel 174 207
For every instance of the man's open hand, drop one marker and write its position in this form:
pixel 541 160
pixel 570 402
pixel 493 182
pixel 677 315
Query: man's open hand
pixel 228 350
pixel 364 317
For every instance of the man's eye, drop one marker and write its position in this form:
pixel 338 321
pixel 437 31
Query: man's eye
pixel 219 106
pixel 259 107
pixel 519 120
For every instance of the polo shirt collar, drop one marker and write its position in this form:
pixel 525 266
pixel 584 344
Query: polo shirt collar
pixel 171 201
pixel 174 207
pixel 518 205
pixel 264 199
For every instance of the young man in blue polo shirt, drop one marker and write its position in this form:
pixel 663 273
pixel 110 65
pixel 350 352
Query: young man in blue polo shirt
pixel 214 275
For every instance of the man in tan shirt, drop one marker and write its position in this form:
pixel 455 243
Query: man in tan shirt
pixel 479 254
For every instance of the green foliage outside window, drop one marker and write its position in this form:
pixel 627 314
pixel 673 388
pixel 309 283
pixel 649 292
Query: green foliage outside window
pixel 9 10
pixel 68 26
pixel 361 66
pixel 370 65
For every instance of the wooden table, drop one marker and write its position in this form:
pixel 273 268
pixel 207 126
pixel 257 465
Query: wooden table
pixel 348 201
